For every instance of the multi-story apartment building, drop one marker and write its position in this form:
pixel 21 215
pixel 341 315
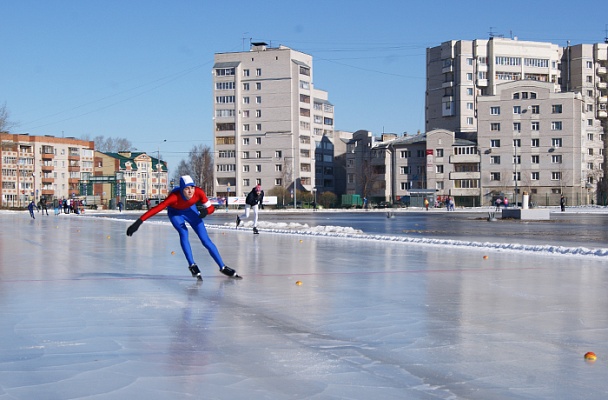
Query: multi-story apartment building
pixel 42 166
pixel 468 82
pixel 129 177
pixel 433 165
pixel 268 117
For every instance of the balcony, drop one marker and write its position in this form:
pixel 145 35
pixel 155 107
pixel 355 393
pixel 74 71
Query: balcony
pixel 464 192
pixel 482 82
pixel 46 181
pixel 464 175
pixel 601 70
pixel 602 100
pixel 47 168
pixel 602 114
pixel 448 84
pixel 47 156
pixel 48 192
pixel 602 85
pixel 464 159
pixel 447 69
pixel 74 168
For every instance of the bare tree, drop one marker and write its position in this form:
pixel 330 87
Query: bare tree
pixel 199 165
pixel 5 124
pixel 110 144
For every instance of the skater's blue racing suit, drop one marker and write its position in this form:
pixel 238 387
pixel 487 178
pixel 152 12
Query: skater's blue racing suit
pixel 181 211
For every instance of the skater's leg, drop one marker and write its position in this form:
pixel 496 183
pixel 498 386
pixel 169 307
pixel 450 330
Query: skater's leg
pixel 255 216
pixel 179 224
pixel 246 215
pixel 199 227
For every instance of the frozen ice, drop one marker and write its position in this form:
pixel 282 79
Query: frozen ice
pixel 89 313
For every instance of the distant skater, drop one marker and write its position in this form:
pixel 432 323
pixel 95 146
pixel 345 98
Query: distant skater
pixel 181 205
pixel 31 207
pixel 562 203
pixel 43 206
pixel 255 199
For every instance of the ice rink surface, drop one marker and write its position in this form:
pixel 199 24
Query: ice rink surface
pixel 89 313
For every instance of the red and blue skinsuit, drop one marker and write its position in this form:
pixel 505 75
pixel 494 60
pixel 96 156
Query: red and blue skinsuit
pixel 181 211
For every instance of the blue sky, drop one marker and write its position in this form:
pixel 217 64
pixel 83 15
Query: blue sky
pixel 141 70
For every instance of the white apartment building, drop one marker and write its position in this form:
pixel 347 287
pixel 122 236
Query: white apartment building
pixel 42 166
pixel 267 119
pixel 472 89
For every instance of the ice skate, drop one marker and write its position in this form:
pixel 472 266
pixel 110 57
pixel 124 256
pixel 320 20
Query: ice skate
pixel 196 273
pixel 230 272
pixel 238 221
pixel 255 231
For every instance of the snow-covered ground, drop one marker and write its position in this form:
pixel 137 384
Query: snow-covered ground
pixel 88 313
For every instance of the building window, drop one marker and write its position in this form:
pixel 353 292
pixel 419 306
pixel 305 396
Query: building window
pixel 245 182
pixel 278 182
pixel 589 122
pixel 494 159
pixel 245 72
pixel 590 152
pixel 258 72
pixel 516 109
pixel 556 159
pixel 258 86
pixel 556 142
pixel 258 127
pixel 556 125
pixel 258 99
pixel 439 169
pixel 469 106
pixel 245 86
pixel 439 185
pixel 469 120
pixel 278 153
pixel 439 152
pixel 535 143
pixel 589 64
pixel 278 167
pixel 536 159
pixel 495 143
pixel 495 126
pixel 245 141
pixel 516 142
pixel 258 168
pixel 246 127
pixel 404 170
pixel 258 154
pixel 245 168
pixel 495 110
pixel 556 108
pixel 516 126
pixel 258 140
pixel 590 137
pixel 535 109
pixel 405 186
pixel 470 91
pixel 535 126
pixel 258 113
pixel 535 176
pixel 495 176
pixel 556 176
pixel 245 100
pixel 245 154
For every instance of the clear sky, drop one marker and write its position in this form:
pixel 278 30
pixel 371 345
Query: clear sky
pixel 141 70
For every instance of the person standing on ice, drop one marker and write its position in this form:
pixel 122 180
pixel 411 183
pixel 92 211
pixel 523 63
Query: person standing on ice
pixel 181 205
pixel 255 199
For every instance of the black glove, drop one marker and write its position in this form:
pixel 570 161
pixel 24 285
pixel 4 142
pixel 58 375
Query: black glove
pixel 203 212
pixel 135 226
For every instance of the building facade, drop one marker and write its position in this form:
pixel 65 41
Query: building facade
pixel 473 88
pixel 130 177
pixel 268 117
pixel 42 166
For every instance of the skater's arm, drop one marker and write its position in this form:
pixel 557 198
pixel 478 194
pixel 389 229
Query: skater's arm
pixel 203 205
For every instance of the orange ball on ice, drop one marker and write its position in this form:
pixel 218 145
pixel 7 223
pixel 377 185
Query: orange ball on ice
pixel 590 356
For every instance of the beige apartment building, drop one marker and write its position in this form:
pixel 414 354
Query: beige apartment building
pixel 267 119
pixel 476 89
pixel 42 166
